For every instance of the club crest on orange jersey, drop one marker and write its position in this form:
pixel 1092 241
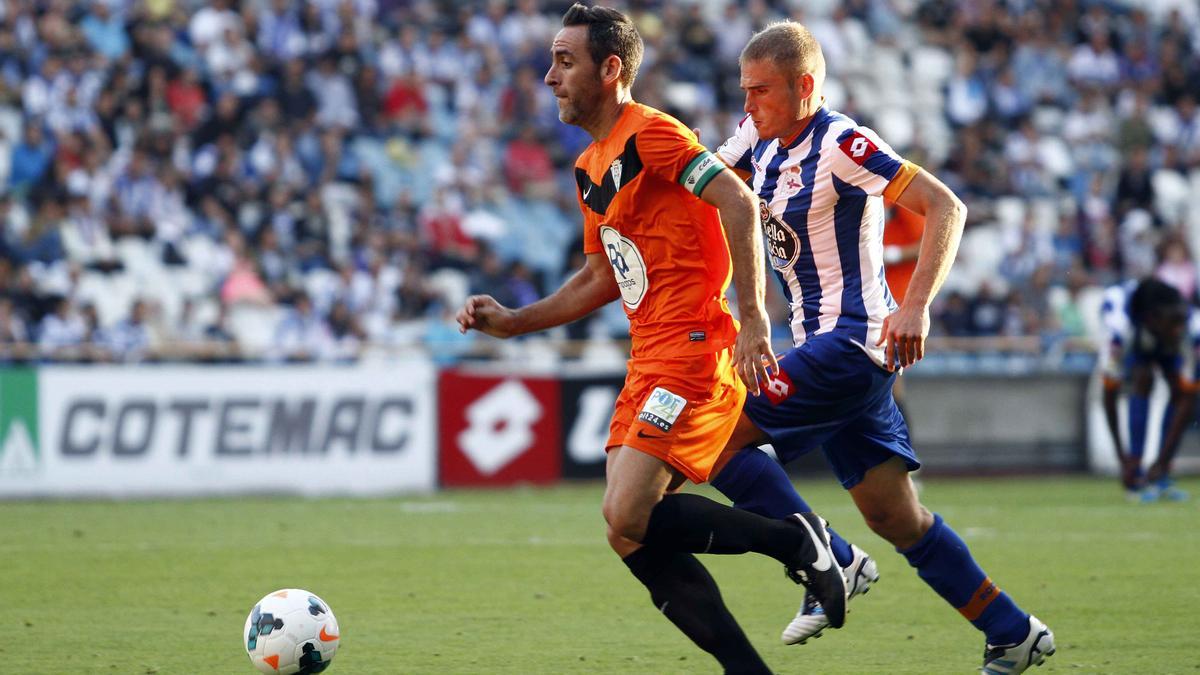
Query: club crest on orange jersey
pixel 615 169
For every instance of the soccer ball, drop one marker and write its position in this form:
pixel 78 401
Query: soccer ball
pixel 291 631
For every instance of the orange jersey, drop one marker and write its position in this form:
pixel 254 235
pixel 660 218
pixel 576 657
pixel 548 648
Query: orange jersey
pixel 638 190
pixel 903 229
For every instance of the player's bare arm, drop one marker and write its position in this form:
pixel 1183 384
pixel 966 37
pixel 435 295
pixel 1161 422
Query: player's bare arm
pixel 1182 404
pixel 1112 392
pixel 752 352
pixel 1128 463
pixel 905 330
pixel 588 289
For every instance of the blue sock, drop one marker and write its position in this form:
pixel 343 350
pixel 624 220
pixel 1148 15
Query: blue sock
pixel 943 561
pixel 1139 417
pixel 756 483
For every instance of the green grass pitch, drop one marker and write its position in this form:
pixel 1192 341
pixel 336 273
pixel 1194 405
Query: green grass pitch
pixel 522 582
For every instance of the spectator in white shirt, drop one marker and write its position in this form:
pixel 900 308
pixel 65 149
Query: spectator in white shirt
pixel 128 340
pixel 336 103
pixel 209 23
pixel 14 335
pixel 1095 63
pixel 303 335
pixel 61 333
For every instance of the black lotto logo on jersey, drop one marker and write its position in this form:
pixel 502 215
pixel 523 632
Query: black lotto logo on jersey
pixel 782 243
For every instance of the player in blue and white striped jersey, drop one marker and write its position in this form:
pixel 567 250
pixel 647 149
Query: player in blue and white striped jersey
pixel 822 211
pixel 821 179
pixel 1147 325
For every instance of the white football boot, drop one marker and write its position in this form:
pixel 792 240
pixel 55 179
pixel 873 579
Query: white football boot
pixel 810 620
pixel 1017 658
pixel 822 577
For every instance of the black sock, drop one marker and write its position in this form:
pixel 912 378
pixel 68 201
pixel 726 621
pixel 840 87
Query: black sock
pixel 686 594
pixel 687 522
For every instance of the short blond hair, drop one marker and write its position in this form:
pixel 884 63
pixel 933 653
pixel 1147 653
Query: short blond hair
pixel 790 46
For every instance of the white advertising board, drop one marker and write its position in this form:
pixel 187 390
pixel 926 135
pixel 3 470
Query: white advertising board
pixel 155 431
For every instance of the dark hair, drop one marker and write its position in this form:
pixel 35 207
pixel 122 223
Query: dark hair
pixel 1152 296
pixel 610 33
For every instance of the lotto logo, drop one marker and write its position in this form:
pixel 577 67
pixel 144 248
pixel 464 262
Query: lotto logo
pixel 500 426
pixel 858 147
pixel 496 430
pixel 779 388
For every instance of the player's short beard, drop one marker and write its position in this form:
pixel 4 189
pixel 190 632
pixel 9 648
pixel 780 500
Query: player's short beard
pixel 568 112
pixel 578 109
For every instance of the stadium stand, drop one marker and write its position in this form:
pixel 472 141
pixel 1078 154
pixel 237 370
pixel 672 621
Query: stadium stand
pixel 324 180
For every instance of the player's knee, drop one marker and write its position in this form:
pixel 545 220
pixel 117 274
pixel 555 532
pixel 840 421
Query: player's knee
pixel 902 528
pixel 623 522
pixel 622 546
pixel 879 520
pixel 628 527
pixel 615 541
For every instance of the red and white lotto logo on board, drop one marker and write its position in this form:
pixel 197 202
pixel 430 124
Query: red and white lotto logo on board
pixel 498 431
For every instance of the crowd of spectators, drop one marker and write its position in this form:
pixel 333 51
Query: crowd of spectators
pixel 221 179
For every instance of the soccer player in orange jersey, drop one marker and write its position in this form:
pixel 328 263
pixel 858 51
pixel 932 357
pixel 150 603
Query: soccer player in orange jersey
pixel 901 248
pixel 662 219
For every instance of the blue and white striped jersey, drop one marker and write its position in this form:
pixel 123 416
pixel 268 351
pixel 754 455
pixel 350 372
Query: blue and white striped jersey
pixel 821 203
pixel 1121 343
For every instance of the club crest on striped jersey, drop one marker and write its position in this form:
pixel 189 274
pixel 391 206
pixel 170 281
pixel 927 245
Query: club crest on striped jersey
pixel 629 268
pixel 790 182
pixel 858 147
pixel 782 243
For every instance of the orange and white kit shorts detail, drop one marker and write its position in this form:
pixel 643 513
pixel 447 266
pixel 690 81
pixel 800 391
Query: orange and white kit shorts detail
pixel 681 411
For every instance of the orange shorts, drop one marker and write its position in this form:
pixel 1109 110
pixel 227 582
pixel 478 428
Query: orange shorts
pixel 680 410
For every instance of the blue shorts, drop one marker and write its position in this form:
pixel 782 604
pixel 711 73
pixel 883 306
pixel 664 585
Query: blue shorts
pixel 831 394
pixel 1171 365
